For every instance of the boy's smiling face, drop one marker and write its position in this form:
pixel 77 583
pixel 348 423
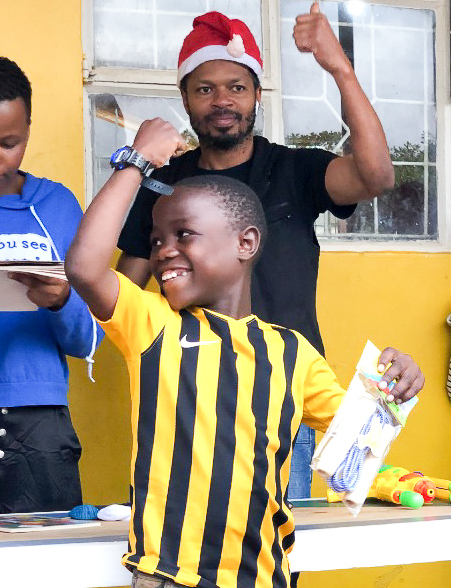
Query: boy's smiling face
pixel 14 132
pixel 196 254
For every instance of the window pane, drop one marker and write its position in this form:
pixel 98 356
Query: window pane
pixel 402 211
pixel 149 33
pixel 392 51
pixel 116 119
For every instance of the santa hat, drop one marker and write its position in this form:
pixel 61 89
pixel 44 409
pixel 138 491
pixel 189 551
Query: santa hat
pixel 214 36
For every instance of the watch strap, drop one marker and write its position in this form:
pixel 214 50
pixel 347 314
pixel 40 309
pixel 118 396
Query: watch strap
pixel 126 156
pixel 135 158
pixel 157 186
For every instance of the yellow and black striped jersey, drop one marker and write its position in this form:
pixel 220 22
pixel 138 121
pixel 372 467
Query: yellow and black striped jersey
pixel 216 404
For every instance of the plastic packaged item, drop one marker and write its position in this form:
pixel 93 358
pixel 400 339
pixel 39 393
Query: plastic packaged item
pixel 353 448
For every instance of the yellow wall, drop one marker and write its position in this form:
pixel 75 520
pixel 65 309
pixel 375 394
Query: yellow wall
pixel 44 38
pixel 398 299
pixel 393 298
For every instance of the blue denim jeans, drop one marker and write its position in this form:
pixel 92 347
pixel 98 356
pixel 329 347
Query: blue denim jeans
pixel 301 474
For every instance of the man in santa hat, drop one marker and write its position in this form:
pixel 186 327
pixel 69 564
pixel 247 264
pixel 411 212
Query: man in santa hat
pixel 219 73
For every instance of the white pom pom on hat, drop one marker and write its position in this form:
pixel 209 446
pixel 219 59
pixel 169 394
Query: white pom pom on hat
pixel 214 36
pixel 235 47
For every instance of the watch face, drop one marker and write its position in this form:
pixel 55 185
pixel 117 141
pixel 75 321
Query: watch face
pixel 126 156
pixel 120 156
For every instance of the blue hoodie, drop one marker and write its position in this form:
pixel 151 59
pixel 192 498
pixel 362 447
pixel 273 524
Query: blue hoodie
pixel 40 224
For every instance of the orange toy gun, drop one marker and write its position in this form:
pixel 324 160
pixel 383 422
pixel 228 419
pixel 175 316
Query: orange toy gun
pixel 398 485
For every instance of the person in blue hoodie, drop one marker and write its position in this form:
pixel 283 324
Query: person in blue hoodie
pixel 39 449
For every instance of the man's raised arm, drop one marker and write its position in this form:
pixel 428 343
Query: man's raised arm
pixel 368 171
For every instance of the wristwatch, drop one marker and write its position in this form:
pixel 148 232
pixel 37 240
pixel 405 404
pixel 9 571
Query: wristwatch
pixel 126 156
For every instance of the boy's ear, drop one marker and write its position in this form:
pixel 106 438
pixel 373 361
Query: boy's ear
pixel 249 242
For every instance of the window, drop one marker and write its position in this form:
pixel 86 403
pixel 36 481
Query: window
pixel 136 34
pixel 392 51
pixel 132 53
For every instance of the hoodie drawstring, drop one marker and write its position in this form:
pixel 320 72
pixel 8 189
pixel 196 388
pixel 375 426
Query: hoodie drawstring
pixel 89 358
pixel 46 233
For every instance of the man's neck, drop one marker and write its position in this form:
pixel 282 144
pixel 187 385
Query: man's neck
pixel 215 159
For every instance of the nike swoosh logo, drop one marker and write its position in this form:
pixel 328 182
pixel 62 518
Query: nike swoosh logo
pixel 187 344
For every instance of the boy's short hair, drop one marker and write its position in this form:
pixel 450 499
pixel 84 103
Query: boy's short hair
pixel 14 84
pixel 240 203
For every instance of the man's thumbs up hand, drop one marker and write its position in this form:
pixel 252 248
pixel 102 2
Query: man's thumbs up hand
pixel 312 34
pixel 314 8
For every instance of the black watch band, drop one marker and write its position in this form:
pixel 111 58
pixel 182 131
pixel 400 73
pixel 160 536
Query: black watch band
pixel 157 186
pixel 126 156
pixel 144 166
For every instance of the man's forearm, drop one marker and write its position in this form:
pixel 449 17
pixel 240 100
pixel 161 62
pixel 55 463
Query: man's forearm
pixel 369 146
pixel 368 171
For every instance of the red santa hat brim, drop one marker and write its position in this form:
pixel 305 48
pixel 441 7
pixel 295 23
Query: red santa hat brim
pixel 216 37
pixel 211 53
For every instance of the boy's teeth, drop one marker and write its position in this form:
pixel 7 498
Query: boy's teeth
pixel 168 275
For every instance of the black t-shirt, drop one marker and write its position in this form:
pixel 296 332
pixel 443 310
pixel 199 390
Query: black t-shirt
pixel 291 186
pixel 239 172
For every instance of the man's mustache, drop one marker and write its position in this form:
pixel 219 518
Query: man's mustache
pixel 224 112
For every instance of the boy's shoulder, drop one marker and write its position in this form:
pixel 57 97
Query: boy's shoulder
pixel 150 298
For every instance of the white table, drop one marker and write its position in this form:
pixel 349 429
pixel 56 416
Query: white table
pixel 383 534
pixel 70 558
pixel 327 538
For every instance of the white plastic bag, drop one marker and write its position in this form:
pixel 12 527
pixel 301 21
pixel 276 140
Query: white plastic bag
pixel 353 448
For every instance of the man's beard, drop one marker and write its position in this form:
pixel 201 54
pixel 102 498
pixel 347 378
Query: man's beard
pixel 224 141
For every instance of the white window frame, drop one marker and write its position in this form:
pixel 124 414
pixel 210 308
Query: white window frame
pixel 163 82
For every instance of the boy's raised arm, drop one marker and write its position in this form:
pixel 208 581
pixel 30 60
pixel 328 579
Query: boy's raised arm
pixel 88 259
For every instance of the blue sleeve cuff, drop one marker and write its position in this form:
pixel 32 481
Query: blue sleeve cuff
pixel 73 327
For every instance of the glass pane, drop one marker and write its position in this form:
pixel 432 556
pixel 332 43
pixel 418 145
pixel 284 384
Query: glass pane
pixel 392 51
pixel 363 220
pixel 113 42
pixel 300 77
pixel 116 119
pixel 309 133
pixel 135 34
pixel 398 66
pixel 290 9
pixel 386 16
pixel 401 212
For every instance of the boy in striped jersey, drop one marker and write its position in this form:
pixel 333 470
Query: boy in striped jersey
pixel 217 394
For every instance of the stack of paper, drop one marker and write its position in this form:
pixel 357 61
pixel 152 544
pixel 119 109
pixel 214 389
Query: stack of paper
pixel 13 295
